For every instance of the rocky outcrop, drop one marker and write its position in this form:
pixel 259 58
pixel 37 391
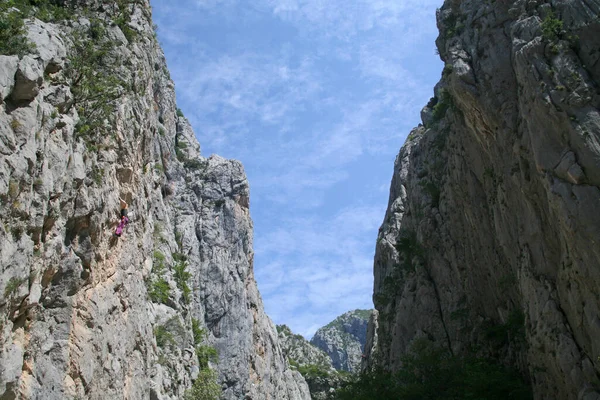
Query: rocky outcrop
pixel 88 116
pixel 343 339
pixel 489 243
pixel 313 363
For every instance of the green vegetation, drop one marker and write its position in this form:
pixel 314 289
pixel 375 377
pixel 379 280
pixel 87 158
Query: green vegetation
pixel 448 68
pixel 551 27
pixel 205 387
pixel 158 288
pixel 441 105
pixel 513 331
pixel 123 18
pixel 433 373
pixel 178 150
pixel 12 28
pixel 408 246
pixel 97 174
pixel 182 276
pixel 164 338
pixel 12 286
pixel 179 113
pixel 13 189
pixel 197 331
pixel 313 371
pixel 94 80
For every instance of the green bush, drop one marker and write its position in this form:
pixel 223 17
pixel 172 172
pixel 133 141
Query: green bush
pixel 95 83
pixel 409 247
pixel 164 338
pixel 159 290
pixel 432 373
pixel 551 27
pixel 182 276
pixel 205 354
pixel 198 332
pixel 123 18
pixel 205 387
pixel 313 371
pixel 12 30
pixel 441 106
pixel 512 331
pixel 193 164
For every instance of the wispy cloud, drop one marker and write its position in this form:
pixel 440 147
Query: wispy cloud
pixel 315 97
pixel 321 267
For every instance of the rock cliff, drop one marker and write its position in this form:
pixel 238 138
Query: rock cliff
pixel 88 116
pixel 490 241
pixel 343 339
pixel 313 363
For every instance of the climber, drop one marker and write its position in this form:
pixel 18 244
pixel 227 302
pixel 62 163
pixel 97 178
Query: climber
pixel 124 218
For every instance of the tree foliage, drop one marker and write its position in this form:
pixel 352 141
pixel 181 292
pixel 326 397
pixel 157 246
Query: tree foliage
pixel 429 372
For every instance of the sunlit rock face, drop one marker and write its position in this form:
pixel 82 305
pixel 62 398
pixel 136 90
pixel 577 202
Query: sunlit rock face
pixel 344 339
pixel 85 314
pixel 313 363
pixel 490 241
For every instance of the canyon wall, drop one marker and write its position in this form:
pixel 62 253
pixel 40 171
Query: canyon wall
pixel 489 245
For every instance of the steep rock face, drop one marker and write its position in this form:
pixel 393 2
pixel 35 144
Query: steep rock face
pixel 344 339
pixel 85 314
pixel 300 351
pixel 313 363
pixel 490 240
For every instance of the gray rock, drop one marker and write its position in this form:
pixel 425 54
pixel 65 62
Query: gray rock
pixel 77 316
pixel 313 363
pixel 48 43
pixel 28 79
pixel 8 68
pixel 492 221
pixel 344 339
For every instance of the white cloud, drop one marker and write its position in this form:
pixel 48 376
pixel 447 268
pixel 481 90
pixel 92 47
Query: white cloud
pixel 328 88
pixel 325 264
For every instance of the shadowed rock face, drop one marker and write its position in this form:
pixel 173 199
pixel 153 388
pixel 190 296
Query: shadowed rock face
pixel 77 315
pixel 344 339
pixel 490 240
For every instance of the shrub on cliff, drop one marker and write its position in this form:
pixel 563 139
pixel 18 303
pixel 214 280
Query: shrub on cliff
pixel 205 387
pixel 12 31
pixel 551 27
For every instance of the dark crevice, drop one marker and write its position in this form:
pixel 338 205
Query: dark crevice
pixel 439 306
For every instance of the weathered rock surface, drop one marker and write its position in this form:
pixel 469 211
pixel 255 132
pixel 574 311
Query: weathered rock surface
pixel 79 315
pixel 344 339
pixel 313 363
pixel 490 240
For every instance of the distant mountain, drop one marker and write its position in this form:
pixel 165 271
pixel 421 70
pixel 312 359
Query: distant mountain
pixel 344 339
pixel 313 363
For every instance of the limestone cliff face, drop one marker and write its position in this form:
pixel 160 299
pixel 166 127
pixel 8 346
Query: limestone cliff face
pixel 343 339
pixel 313 363
pixel 490 240
pixel 84 314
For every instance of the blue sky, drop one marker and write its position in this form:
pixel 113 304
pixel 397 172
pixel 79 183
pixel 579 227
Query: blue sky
pixel 315 97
